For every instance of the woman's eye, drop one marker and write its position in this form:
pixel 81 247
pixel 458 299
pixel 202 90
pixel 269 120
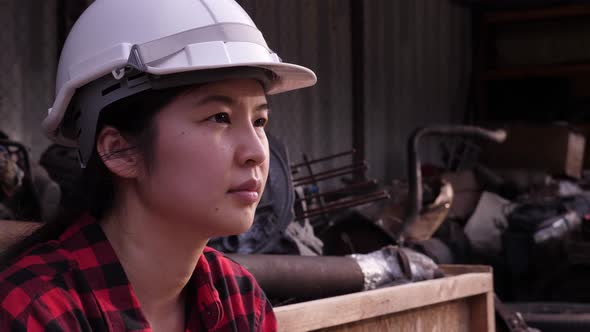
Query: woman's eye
pixel 220 118
pixel 260 122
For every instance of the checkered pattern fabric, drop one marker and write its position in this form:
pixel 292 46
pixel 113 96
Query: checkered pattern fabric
pixel 76 283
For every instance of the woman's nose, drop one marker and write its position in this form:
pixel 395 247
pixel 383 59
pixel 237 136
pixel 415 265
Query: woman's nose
pixel 252 147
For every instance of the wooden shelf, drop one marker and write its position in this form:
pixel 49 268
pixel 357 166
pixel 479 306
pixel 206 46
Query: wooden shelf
pixel 537 14
pixel 538 71
pixel 489 23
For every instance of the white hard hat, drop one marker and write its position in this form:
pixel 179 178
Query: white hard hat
pixel 114 41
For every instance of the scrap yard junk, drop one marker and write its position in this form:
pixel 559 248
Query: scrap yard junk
pixel 309 210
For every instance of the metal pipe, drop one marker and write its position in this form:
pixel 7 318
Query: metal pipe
pixel 303 277
pixel 414 163
pixel 341 190
pixel 341 154
pixel 328 176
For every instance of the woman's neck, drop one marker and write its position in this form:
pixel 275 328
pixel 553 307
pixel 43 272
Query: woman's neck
pixel 159 259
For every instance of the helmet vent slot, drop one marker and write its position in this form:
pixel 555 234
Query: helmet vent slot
pixel 111 89
pixel 77 114
pixel 135 76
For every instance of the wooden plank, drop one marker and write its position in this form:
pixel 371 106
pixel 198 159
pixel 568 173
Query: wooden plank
pixel 364 305
pixel 481 316
pixel 449 316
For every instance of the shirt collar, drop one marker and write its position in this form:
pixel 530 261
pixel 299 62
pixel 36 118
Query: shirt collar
pixel 208 302
pixel 112 290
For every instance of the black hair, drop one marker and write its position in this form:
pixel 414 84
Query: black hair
pixel 94 191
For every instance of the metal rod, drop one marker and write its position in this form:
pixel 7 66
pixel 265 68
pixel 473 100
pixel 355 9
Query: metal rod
pixel 328 176
pixel 351 199
pixel 341 154
pixel 352 204
pixel 312 177
pixel 347 203
pixel 307 177
pixel 344 204
pixel 345 189
pixel 313 215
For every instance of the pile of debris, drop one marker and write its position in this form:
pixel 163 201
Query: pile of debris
pixel 524 211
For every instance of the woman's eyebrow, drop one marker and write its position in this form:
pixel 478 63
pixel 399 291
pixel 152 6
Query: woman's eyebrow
pixel 229 101
pixel 217 99
pixel 262 107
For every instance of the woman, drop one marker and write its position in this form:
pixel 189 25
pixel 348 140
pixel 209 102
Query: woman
pixel 166 102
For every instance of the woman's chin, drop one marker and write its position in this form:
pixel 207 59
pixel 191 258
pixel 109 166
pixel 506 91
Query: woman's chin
pixel 237 227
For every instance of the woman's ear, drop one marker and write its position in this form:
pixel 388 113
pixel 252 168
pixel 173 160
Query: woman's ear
pixel 117 153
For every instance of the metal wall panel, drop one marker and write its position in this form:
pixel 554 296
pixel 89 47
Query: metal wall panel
pixel 417 69
pixel 418 64
pixel 28 34
pixel 316 34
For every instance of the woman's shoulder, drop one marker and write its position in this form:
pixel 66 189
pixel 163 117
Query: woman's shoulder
pixel 33 281
pixel 44 260
pixel 36 268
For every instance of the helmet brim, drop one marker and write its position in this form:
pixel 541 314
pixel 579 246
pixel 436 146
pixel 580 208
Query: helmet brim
pixel 288 77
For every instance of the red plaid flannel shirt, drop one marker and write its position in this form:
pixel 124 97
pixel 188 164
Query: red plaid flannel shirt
pixel 76 283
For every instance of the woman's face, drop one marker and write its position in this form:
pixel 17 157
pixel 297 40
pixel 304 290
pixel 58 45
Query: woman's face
pixel 210 158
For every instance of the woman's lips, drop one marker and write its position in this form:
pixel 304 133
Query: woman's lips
pixel 247 192
pixel 245 196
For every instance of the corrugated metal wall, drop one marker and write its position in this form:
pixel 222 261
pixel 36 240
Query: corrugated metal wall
pixel 28 35
pixel 316 34
pixel 417 68
pixel 417 72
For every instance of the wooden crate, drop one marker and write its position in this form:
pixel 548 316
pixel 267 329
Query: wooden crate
pixel 462 301
pixel 555 149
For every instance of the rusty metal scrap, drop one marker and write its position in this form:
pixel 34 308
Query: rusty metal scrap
pixel 414 164
pixel 319 206
pixel 432 216
pixel 392 265
pixel 345 203
pixel 330 174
